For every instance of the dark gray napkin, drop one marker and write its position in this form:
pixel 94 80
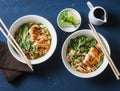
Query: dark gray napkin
pixel 9 66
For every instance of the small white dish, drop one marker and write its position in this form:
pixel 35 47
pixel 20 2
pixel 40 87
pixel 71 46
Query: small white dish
pixel 69 29
pixel 73 71
pixel 38 19
pixel 97 15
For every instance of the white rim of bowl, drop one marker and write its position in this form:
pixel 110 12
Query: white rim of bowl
pixel 73 71
pixel 78 15
pixel 49 53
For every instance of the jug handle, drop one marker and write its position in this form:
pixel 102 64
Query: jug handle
pixel 89 4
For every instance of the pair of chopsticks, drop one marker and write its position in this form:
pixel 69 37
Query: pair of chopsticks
pixel 14 44
pixel 111 63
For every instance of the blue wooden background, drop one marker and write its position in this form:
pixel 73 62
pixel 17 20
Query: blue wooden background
pixel 52 75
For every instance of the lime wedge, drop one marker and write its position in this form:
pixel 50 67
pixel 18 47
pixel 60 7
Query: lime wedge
pixel 75 17
pixel 66 24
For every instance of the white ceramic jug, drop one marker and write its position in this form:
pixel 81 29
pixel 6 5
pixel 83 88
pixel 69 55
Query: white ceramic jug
pixel 97 15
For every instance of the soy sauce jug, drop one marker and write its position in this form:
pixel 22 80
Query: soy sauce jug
pixel 97 15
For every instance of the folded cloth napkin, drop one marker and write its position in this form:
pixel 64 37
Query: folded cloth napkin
pixel 9 66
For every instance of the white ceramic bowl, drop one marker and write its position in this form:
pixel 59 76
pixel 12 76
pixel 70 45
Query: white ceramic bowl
pixel 73 71
pixel 69 29
pixel 38 19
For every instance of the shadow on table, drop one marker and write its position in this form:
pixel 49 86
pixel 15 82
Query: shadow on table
pixel 112 22
pixel 115 53
pixel 113 25
pixel 106 78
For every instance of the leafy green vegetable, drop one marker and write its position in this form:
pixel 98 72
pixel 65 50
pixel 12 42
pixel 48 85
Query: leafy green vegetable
pixel 101 61
pixel 63 15
pixel 72 53
pixel 68 19
pixel 82 43
pixel 73 44
pixel 82 49
pixel 67 24
pixel 27 45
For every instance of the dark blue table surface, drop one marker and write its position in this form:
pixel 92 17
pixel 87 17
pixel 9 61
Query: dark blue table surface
pixel 52 75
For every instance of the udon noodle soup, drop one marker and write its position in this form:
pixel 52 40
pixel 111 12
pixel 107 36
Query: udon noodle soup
pixel 84 54
pixel 34 39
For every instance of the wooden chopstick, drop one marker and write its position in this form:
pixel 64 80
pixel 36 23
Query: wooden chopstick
pixel 18 49
pixel 111 63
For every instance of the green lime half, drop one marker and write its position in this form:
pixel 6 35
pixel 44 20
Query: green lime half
pixel 66 24
pixel 75 17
